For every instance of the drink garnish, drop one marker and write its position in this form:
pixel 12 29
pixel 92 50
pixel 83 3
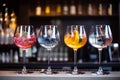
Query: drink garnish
pixel 24 33
pixel 80 40
pixel 76 36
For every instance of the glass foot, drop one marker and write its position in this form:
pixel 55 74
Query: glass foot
pixel 75 71
pixel 48 71
pixel 24 71
pixel 100 72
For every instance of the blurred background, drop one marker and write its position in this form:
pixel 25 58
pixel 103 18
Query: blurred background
pixel 61 13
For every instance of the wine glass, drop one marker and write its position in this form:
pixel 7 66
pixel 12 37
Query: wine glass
pixel 48 38
pixel 24 38
pixel 75 37
pixel 100 37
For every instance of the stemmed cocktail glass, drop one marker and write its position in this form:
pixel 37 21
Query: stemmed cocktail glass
pixel 100 37
pixel 24 38
pixel 48 38
pixel 75 37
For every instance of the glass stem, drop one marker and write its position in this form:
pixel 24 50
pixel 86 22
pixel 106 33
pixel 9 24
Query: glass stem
pixel 24 70
pixel 100 51
pixel 24 55
pixel 49 59
pixel 100 70
pixel 49 67
pixel 75 60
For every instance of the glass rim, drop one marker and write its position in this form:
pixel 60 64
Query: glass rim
pixel 25 25
pixel 49 25
pixel 76 25
pixel 101 25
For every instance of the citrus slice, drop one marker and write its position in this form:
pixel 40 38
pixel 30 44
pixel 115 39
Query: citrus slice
pixel 76 37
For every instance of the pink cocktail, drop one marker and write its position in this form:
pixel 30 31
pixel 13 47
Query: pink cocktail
pixel 24 42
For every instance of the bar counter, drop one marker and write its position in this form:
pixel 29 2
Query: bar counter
pixel 12 75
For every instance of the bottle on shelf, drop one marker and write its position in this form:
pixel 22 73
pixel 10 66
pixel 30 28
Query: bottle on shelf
pixel 55 51
pixel 66 54
pixel 6 20
pixel 47 8
pixel 0 58
pixel 58 8
pixel 2 37
pixel 6 26
pixel 1 29
pixel 114 52
pixel 90 9
pixel 100 10
pixel 79 7
pixel 7 57
pixel 11 56
pixel 44 57
pixel 61 54
pixel 65 8
pixel 1 20
pixel 13 21
pixel 4 5
pixel 39 55
pixel 16 58
pixel 3 57
pixel 38 10
pixel 11 36
pixel 72 8
pixel 12 26
pixel 110 9
pixel 42 54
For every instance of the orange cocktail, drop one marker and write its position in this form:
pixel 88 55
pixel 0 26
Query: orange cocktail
pixel 75 40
